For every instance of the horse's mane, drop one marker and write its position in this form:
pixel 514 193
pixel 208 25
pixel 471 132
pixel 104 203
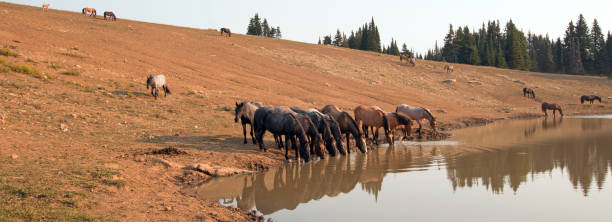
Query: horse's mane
pixel 429 113
pixel 347 116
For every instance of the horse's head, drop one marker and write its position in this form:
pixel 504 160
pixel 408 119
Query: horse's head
pixel 597 98
pixel 238 111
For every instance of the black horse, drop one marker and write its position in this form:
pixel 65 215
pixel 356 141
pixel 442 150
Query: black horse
pixel 347 126
pixel 110 15
pixel 226 30
pixel 286 124
pixel 528 92
pixel 324 128
pixel 590 98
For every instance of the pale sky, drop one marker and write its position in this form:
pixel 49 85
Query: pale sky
pixel 417 23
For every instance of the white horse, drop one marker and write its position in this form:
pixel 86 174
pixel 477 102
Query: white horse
pixel 417 114
pixel 156 82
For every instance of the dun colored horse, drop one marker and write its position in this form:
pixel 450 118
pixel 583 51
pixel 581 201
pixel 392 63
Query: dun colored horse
pixel 91 11
pixel 393 121
pixel 45 7
pixel 409 59
pixel 285 124
pixel 528 92
pixel 552 106
pixel 226 30
pixel 347 126
pixel 449 68
pixel 110 15
pixel 245 112
pixel 372 117
pixel 590 98
pixel 156 82
pixel 417 114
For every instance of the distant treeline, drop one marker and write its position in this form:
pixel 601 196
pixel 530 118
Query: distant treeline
pixel 582 50
pixel 259 28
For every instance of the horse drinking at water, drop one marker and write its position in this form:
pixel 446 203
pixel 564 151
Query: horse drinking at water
pixel 91 11
pixel 226 30
pixel 590 98
pixel 245 112
pixel 324 128
pixel 110 16
pixel 528 92
pixel 285 124
pixel 417 114
pixel 393 121
pixel 347 126
pixel 156 82
pixel 314 138
pixel 552 106
pixel 372 117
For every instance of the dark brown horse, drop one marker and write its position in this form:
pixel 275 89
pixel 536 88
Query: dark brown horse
pixel 91 11
pixel 528 92
pixel 409 59
pixel 373 117
pixel 552 106
pixel 347 126
pixel 324 128
pixel 226 30
pixel 590 98
pixel 314 138
pixel 245 112
pixel 285 124
pixel 394 121
pixel 110 15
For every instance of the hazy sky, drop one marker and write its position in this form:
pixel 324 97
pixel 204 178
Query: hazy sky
pixel 417 23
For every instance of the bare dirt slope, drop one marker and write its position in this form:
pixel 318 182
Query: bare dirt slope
pixel 76 134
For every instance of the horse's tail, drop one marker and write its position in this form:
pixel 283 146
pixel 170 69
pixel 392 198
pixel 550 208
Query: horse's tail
pixel 167 89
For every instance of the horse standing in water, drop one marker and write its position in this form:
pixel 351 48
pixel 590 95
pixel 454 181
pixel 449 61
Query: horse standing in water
pixel 409 59
pixel 528 92
pixel 314 138
pixel 372 117
pixel 285 124
pixel 156 82
pixel 245 112
pixel 91 11
pixel 417 114
pixel 590 98
pixel 552 106
pixel 226 30
pixel 110 15
pixel 318 119
pixel 393 121
pixel 347 126
pixel 45 7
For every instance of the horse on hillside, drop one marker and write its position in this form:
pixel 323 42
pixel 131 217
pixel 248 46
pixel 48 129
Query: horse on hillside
pixel 372 117
pixel 409 59
pixel 528 92
pixel 449 68
pixel 417 114
pixel 590 98
pixel 245 112
pixel 393 121
pixel 552 106
pixel 285 124
pixel 314 138
pixel 45 7
pixel 110 16
pixel 347 126
pixel 226 30
pixel 156 82
pixel 91 11
pixel 324 128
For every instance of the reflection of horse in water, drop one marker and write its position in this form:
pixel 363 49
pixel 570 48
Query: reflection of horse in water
pixel 530 131
pixel 551 125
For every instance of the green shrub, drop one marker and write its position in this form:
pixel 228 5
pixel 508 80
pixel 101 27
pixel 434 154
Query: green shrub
pixel 7 52
pixel 25 69
pixel 72 72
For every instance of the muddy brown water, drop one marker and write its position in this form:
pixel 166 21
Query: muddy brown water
pixel 522 170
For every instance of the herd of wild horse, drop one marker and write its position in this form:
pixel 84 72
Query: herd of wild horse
pixel 88 11
pixel 530 93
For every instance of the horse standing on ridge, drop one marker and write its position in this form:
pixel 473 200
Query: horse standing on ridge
pixel 110 15
pixel 449 68
pixel 226 30
pixel 45 7
pixel 91 11
pixel 529 93
pixel 156 82
pixel 409 59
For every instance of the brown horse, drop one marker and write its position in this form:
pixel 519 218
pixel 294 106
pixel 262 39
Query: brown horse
pixel 347 126
pixel 590 98
pixel 110 15
pixel 394 121
pixel 528 92
pixel 409 59
pixel 314 138
pixel 226 30
pixel 245 112
pixel 45 7
pixel 371 116
pixel 91 11
pixel 552 106
pixel 449 68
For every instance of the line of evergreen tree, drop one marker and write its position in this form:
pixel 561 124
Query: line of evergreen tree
pixel 582 50
pixel 366 37
pixel 259 28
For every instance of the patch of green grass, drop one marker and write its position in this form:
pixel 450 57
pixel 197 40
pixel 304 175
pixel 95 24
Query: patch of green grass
pixel 4 69
pixel 116 183
pixel 3 61
pixel 25 69
pixel 55 66
pixel 30 60
pixel 7 52
pixel 71 72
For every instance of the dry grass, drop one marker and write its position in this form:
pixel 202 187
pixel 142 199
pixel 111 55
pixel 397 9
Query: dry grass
pixel 8 52
pixel 71 72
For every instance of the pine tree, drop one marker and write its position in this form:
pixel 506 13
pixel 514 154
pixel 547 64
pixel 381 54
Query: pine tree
pixel 265 28
pixel 345 42
pixel 327 40
pixel 319 40
pixel 600 65
pixel 448 50
pixel 609 52
pixel 558 56
pixel 338 38
pixel 516 48
pixel 584 44
pixel 272 33
pixel 278 33
pixel 405 50
pixel 257 23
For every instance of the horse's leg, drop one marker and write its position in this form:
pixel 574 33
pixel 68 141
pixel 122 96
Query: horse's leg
pixel 156 92
pixel 348 143
pixel 286 148
pixel 294 146
pixel 375 134
pixel 259 135
pixel 253 138
pixel 420 127
pixel 244 132
pixel 364 128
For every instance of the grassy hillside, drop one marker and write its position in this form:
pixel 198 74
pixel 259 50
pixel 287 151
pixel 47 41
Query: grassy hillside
pixel 78 124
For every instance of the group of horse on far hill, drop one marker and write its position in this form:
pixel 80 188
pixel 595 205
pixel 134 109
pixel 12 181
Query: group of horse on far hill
pixel 88 11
